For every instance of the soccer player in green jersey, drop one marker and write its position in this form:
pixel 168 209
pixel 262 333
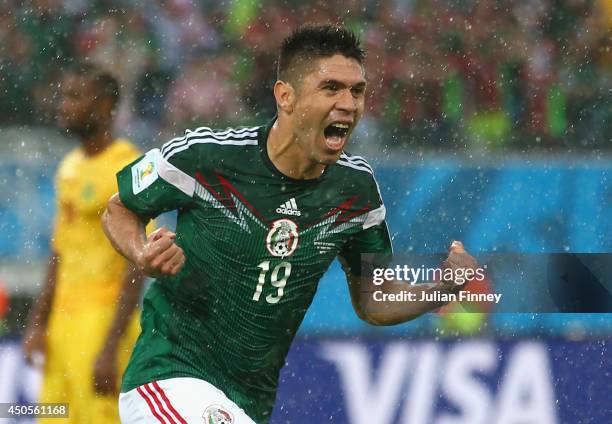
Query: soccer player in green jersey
pixel 262 213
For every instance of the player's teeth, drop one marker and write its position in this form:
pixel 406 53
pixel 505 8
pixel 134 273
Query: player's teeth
pixel 345 126
pixel 334 142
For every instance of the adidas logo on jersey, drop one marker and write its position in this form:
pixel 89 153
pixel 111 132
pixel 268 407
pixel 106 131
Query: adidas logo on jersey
pixel 289 208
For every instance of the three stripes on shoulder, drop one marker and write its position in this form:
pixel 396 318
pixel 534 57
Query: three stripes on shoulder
pixel 355 162
pixel 204 135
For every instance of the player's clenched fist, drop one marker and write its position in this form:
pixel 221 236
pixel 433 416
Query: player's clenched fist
pixel 459 260
pixel 160 255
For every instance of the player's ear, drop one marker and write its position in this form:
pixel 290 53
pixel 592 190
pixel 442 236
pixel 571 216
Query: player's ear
pixel 105 106
pixel 284 94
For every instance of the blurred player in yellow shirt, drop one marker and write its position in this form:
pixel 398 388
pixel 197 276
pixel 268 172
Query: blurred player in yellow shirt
pixel 83 323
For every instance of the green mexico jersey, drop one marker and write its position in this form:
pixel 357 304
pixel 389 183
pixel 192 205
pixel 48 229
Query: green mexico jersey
pixel 256 244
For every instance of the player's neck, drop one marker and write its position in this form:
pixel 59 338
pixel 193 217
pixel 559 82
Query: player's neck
pixel 96 143
pixel 287 156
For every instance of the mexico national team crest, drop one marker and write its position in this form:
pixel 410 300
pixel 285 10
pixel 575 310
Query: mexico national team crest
pixel 216 414
pixel 283 237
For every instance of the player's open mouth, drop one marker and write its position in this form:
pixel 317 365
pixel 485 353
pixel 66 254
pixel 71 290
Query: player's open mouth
pixel 335 135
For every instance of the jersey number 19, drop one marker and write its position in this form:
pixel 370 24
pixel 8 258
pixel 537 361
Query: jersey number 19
pixel 277 282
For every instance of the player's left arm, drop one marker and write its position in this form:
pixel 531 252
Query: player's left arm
pixel 362 289
pixel 374 240
pixel 105 373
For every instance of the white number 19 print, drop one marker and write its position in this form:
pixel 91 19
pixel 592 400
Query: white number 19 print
pixel 277 282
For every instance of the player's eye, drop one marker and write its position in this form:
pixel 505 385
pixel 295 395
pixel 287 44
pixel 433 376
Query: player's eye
pixel 332 87
pixel 357 91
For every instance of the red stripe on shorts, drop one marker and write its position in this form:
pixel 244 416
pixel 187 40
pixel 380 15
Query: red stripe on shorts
pixel 151 407
pixel 168 404
pixel 159 404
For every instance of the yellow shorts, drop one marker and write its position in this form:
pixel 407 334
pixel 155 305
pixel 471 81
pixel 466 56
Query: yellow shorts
pixel 73 342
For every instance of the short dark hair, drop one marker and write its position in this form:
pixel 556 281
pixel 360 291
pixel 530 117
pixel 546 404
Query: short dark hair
pixel 106 84
pixel 310 42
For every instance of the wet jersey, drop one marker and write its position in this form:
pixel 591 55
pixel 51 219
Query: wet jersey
pixel 256 244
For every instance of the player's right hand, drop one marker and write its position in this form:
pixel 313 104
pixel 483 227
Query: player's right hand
pixel 34 345
pixel 160 255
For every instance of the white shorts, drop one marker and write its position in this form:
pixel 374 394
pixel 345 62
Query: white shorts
pixel 179 401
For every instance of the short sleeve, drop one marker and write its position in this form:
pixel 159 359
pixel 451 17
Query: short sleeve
pixel 373 240
pixel 154 184
pixel 372 245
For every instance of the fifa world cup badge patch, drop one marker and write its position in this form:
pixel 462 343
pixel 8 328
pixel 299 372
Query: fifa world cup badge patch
pixel 283 237
pixel 144 173
pixel 216 414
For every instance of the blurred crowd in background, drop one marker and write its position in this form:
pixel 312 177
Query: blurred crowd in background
pixel 516 74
